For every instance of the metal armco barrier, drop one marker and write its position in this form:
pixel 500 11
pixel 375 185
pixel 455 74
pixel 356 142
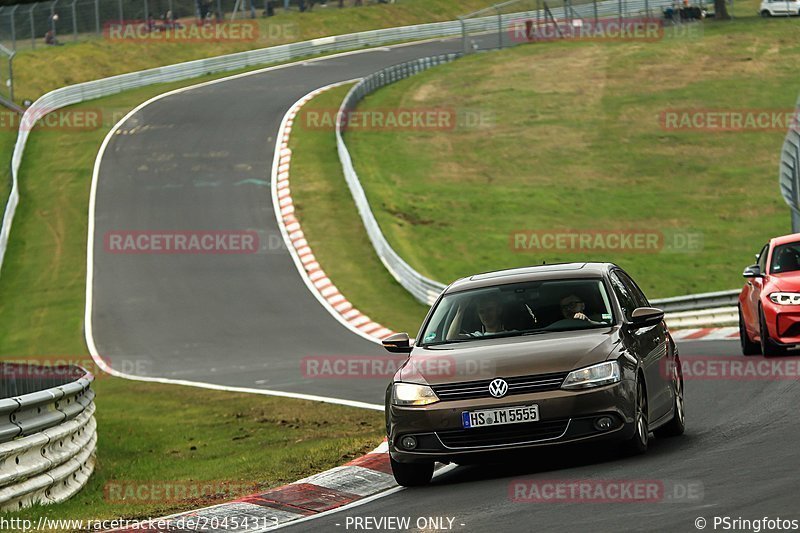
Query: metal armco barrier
pixel 47 435
pixel 81 92
pixel 425 290
pixel 789 171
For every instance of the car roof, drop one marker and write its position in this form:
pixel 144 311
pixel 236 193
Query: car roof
pixel 530 273
pixel 783 239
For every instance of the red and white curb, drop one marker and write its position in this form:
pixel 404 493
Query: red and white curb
pixel 341 486
pixel 311 271
pixel 705 334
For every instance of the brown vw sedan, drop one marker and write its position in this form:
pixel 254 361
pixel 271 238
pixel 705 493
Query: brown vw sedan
pixel 532 357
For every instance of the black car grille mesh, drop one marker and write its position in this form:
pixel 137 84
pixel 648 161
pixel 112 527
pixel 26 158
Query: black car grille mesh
pixel 517 385
pixel 503 435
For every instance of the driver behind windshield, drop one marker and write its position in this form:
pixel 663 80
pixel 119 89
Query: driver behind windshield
pixel 490 313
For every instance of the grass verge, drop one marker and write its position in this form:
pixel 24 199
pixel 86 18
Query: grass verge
pixel 49 67
pixel 574 141
pixel 147 431
pixel 333 228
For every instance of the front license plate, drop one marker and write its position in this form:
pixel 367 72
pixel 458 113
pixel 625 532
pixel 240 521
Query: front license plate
pixel 498 417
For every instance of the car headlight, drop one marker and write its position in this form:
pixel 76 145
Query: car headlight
pixel 413 394
pixel 785 298
pixel 593 376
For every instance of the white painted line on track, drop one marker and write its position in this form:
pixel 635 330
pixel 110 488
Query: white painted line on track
pixel 88 326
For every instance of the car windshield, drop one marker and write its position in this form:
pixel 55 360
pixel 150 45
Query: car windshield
pixel 519 309
pixel 785 258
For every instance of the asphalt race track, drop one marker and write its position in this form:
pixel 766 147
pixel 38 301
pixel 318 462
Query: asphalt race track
pixel 201 160
pixel 739 449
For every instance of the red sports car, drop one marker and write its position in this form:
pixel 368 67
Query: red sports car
pixel 769 304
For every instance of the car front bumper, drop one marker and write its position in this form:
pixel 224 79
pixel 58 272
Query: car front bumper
pixel 566 416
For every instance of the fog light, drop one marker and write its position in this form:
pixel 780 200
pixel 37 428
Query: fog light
pixel 603 423
pixel 408 442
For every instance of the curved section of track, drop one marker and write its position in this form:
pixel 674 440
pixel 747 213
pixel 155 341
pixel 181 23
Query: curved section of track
pixel 201 160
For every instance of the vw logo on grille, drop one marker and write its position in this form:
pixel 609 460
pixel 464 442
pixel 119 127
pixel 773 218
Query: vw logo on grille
pixel 498 388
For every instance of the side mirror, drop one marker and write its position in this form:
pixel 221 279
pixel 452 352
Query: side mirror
pixel 753 271
pixel 646 316
pixel 397 343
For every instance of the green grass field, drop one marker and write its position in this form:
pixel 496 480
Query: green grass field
pixel 574 141
pixel 37 71
pixel 152 437
pixel 45 68
pixel 148 432
pixel 333 228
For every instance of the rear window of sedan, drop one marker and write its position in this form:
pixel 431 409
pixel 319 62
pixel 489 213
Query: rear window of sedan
pixel 519 309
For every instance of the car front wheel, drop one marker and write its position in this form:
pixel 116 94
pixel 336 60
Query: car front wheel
pixel 748 347
pixel 677 425
pixel 768 346
pixel 641 435
pixel 766 14
pixel 412 474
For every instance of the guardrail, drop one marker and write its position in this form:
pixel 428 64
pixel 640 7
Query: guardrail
pixel 424 289
pixel 81 92
pixel 47 433
pixel 74 94
pixel 789 169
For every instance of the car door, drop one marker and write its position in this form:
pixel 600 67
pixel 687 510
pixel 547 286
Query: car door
pixel 752 295
pixel 650 344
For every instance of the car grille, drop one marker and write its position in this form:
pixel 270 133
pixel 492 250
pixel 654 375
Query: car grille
pixel 503 435
pixel 517 385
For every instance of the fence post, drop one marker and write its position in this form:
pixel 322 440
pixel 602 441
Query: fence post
pixel 53 20
pixel 499 29
pixel 14 28
pixel 33 25
pixel 11 75
pixel 121 14
pixel 74 22
pixel 619 15
pixel 97 16
pixel 146 13
pixel 594 4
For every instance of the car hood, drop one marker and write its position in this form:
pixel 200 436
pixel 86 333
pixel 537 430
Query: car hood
pixel 787 281
pixel 515 356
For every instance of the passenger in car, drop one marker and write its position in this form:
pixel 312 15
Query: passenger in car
pixel 572 306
